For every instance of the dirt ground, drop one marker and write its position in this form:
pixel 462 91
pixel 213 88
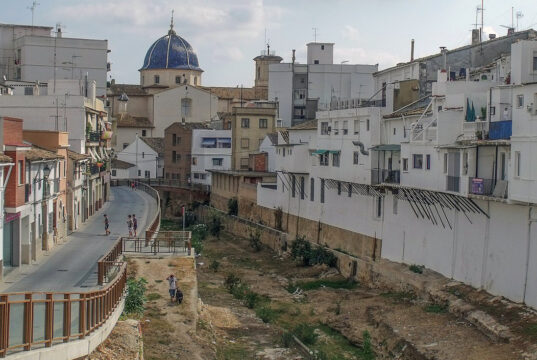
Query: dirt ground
pixel 124 343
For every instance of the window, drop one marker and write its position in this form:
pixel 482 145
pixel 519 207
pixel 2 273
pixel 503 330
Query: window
pixel 143 154
pixel 322 47
pixel 178 79
pixel 174 155
pixel 283 152
pixel 465 163
pixel 312 189
pixel 356 127
pixel 64 169
pixel 324 128
pixel 218 161
pixel 139 172
pixel 394 131
pixel 335 129
pixel 518 164
pixel 196 176
pixel 144 133
pixel 322 191
pixel 367 125
pixel 345 127
pixel 194 160
pixel 379 208
pixel 417 161
pixel 157 79
pixel 293 185
pixel 202 176
pixel 186 107
pixel 428 161
pixel 147 174
pixel 493 110
pixel 178 157
pixel 174 139
pixel 316 62
pixel 520 101
pixel 245 143
pixel 339 187
pixel 349 189
pixel 244 163
pixel 335 159
pixel 263 123
pixel 302 184
pixel 445 163
pixel 355 157
pixel 125 145
pixel 21 172
pixel 323 159
pixel 534 63
pixel 245 123
pixel 196 83
pixel 28 90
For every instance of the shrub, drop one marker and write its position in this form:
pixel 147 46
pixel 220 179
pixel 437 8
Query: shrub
pixel 278 216
pixel 200 230
pixel 320 255
pixel 255 240
pixel 250 298
pixel 215 225
pixel 134 302
pixel 367 349
pixel 287 339
pixel 306 334
pixel 232 206
pixel 436 308
pixel 197 244
pixel 190 218
pixel 302 250
pixel 266 314
pixel 231 281
pixel 418 269
pixel 214 265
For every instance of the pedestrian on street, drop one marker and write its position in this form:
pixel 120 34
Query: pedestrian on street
pixel 106 225
pixel 129 225
pixel 172 281
pixel 132 185
pixel 134 224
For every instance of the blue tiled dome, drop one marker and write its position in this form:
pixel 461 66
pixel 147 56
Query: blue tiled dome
pixel 171 52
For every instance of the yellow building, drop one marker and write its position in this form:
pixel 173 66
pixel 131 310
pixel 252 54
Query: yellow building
pixel 249 126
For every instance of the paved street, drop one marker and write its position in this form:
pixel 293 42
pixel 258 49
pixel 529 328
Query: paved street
pixel 72 266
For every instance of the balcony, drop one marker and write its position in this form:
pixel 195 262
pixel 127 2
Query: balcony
pixel 500 130
pixel 379 176
pixel 488 187
pixel 453 183
pixel 94 169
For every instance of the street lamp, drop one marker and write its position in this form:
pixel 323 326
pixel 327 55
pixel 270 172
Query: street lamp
pixel 46 173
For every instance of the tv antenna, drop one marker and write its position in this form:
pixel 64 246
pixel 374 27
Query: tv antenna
pixel 478 10
pixel 519 15
pixel 32 9
pixel 315 34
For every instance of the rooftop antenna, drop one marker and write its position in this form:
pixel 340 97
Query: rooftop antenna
pixel 315 34
pixel 519 15
pixel 32 9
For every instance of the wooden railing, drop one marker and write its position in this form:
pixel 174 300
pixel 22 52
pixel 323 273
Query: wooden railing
pixel 109 261
pixel 46 318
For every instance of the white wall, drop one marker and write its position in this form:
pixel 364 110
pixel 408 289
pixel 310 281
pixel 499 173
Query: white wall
pixel 204 156
pixel 143 156
pixel 267 147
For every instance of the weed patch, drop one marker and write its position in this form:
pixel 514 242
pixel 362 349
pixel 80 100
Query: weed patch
pixel 400 296
pixel 436 308
pixel 418 269
pixel 316 284
pixel 153 296
pixel 306 333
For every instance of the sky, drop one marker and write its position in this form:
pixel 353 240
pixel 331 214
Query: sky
pixel 228 34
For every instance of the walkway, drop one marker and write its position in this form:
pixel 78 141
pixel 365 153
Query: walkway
pixel 72 266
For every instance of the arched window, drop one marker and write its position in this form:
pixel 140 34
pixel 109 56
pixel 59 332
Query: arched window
pixel 186 107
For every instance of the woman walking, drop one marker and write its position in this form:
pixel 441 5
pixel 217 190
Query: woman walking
pixel 129 225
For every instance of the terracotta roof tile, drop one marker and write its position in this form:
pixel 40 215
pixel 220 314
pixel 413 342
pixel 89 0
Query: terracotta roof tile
pixel 76 156
pixel 120 164
pixel 126 120
pixel 36 153
pixel 155 143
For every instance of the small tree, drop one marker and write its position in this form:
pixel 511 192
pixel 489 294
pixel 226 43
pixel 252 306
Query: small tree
pixel 301 250
pixel 215 225
pixel 278 216
pixel 135 300
pixel 255 240
pixel 232 206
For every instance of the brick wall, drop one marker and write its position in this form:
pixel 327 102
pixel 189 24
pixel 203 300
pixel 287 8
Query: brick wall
pixel 182 147
pixel 12 131
pixel 258 162
pixel 14 195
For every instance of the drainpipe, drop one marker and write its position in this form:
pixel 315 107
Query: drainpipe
pixel 528 249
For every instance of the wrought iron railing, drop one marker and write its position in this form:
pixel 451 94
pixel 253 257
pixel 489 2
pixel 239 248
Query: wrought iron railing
pixel 93 136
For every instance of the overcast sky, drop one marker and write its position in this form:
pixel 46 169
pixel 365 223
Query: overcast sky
pixel 228 34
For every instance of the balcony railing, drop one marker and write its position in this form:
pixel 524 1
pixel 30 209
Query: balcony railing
pixel 453 183
pixel 94 169
pixel 93 136
pixel 379 176
pixel 500 130
pixel 487 187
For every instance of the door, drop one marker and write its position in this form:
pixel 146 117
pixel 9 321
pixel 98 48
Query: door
pixel 454 170
pixel 503 170
pixel 8 244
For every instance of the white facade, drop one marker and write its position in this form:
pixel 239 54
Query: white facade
pixel 267 146
pixel 145 159
pixel 211 150
pixel 37 56
pixel 292 85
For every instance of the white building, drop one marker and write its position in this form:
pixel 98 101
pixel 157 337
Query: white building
pixel 146 154
pixel 302 89
pixel 268 146
pixel 446 180
pixel 211 150
pixel 30 53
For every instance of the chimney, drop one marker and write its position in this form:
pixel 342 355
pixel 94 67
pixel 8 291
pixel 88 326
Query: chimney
pixel 412 50
pixel 510 31
pixel 59 32
pixel 293 58
pixel 476 36
pixel 443 51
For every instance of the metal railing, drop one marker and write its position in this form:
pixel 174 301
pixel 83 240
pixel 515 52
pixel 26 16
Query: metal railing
pixel 164 242
pixel 453 183
pixel 379 176
pixel 37 319
pixel 485 187
pixel 93 136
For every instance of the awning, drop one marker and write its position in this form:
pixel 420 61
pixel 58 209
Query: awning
pixel 334 151
pixel 224 140
pixel 208 141
pixel 387 147
pixel 320 152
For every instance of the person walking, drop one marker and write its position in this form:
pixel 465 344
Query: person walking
pixel 129 225
pixel 106 225
pixel 172 282
pixel 134 224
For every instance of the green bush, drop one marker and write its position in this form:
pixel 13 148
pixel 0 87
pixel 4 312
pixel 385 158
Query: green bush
pixel 231 281
pixel 197 244
pixel 436 308
pixel 266 314
pixel 418 269
pixel 255 240
pixel 302 250
pixel 232 206
pixel 251 299
pixel 287 339
pixel 306 333
pixel 200 231
pixel 135 300
pixel 215 225
pixel 367 349
pixel 190 218
pixel 214 265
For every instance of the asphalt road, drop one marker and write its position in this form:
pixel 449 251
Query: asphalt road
pixel 72 267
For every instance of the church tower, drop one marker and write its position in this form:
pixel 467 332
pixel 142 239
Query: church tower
pixel 262 63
